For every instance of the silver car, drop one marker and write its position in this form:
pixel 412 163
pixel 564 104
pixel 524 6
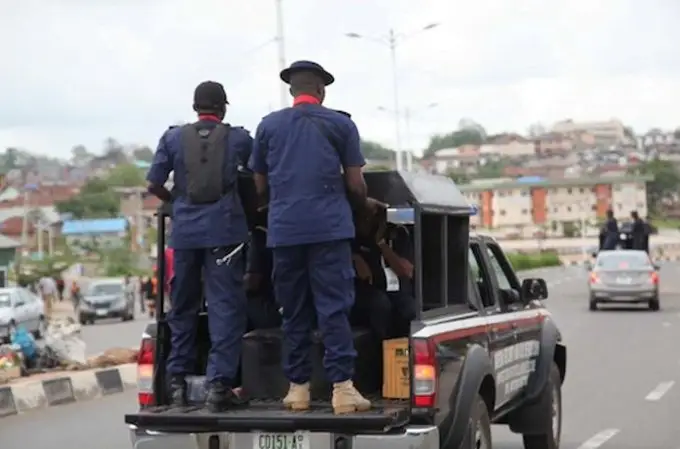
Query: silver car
pixel 624 276
pixel 20 306
pixel 107 298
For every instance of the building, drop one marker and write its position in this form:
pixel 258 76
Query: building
pixel 508 145
pixel 8 249
pixel 604 133
pixel 86 235
pixel 553 144
pixel 539 203
pixel 42 225
pixel 464 159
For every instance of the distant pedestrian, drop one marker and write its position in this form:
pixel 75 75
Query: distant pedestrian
pixel 48 291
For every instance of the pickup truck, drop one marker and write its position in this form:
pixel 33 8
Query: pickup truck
pixel 482 350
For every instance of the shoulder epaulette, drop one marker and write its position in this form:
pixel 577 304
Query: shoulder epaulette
pixel 173 126
pixel 346 114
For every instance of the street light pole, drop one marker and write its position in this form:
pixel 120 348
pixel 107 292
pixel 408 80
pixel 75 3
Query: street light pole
pixel 281 50
pixel 408 114
pixel 392 40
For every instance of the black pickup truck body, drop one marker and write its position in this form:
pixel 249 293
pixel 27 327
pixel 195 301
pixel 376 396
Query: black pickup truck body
pixel 483 349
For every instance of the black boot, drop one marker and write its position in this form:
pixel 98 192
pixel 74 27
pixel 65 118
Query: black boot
pixel 219 397
pixel 177 391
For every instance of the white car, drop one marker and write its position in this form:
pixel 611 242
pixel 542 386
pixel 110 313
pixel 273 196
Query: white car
pixel 20 306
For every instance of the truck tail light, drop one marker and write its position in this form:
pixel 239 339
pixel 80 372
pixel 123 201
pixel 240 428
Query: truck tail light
pixel 594 279
pixel 424 385
pixel 145 361
pixel 654 278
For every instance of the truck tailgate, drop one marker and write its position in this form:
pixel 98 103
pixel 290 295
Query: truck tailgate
pixel 271 416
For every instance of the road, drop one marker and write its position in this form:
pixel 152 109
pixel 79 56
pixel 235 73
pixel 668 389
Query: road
pixel 622 389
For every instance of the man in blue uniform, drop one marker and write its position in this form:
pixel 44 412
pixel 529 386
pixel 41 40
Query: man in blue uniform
pixel 208 235
pixel 307 163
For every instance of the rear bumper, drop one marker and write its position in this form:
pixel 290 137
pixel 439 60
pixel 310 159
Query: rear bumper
pixel 623 295
pixel 102 314
pixel 413 437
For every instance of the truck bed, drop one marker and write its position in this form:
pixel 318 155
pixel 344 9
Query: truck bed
pixel 271 416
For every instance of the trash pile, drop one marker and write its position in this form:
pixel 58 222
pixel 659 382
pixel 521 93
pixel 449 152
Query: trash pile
pixel 61 349
pixel 10 363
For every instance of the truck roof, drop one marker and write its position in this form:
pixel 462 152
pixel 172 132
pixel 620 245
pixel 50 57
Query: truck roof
pixel 430 193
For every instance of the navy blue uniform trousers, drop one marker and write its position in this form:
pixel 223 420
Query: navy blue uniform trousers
pixel 325 270
pixel 226 304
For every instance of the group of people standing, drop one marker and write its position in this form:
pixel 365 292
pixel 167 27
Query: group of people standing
pixel 307 168
pixel 637 238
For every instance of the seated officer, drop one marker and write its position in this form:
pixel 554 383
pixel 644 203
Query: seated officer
pixel 382 257
pixel 263 311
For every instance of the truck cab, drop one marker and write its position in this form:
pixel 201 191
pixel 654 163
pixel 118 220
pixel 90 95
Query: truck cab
pixel 481 350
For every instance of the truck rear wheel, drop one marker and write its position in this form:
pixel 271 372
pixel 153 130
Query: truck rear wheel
pixel 551 438
pixel 479 432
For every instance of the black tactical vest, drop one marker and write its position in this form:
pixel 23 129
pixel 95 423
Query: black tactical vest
pixel 204 153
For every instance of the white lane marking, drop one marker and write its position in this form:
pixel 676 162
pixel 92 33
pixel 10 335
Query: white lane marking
pixel 659 391
pixel 599 439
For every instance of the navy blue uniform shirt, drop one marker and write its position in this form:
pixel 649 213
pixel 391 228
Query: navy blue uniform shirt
pixel 302 151
pixel 203 225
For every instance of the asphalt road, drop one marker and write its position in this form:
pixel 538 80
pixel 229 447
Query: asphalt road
pixel 620 391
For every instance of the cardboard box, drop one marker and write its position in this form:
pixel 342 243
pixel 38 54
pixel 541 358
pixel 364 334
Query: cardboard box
pixel 396 376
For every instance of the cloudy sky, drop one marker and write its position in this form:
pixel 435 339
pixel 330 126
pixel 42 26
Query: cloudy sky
pixel 77 71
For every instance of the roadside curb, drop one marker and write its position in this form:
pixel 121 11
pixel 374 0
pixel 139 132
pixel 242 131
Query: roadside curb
pixel 75 386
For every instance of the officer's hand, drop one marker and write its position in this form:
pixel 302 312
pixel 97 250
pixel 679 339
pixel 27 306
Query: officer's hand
pixel 380 232
pixel 252 281
pixel 374 206
pixel 362 269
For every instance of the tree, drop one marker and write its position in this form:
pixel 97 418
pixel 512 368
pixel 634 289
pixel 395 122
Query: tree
pixel 459 178
pixel 80 155
pixel 114 151
pixel 373 150
pixel 95 200
pixel 143 154
pixel 676 134
pixel 125 175
pixel 664 186
pixel 466 136
pixel 11 159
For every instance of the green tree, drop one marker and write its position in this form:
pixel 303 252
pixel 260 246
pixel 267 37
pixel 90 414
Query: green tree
pixel 676 134
pixel 373 150
pixel 125 175
pixel 143 154
pixel 95 200
pixel 465 136
pixel 459 178
pixel 80 155
pixel 493 169
pixel 664 186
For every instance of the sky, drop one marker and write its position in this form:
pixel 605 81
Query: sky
pixel 77 71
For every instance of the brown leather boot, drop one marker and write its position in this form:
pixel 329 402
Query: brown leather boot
pixel 298 397
pixel 347 399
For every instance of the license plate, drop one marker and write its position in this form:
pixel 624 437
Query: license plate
pixel 624 280
pixel 297 440
pixel 102 312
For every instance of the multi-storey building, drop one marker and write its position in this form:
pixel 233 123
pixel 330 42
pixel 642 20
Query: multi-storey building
pixel 549 204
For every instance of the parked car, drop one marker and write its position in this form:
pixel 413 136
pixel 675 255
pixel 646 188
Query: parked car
pixel 106 298
pixel 21 307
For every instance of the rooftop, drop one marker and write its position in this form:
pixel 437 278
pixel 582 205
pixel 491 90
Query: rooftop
pixel 95 226
pixel 566 182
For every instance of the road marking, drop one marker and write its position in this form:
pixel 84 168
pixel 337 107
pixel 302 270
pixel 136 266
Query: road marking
pixel 599 439
pixel 666 324
pixel 659 391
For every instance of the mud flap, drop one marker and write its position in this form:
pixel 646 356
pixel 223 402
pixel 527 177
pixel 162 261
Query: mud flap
pixel 462 400
pixel 535 415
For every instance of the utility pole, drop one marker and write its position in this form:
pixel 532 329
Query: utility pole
pixel 392 40
pixel 281 50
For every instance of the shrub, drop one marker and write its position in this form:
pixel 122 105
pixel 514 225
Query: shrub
pixel 537 260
